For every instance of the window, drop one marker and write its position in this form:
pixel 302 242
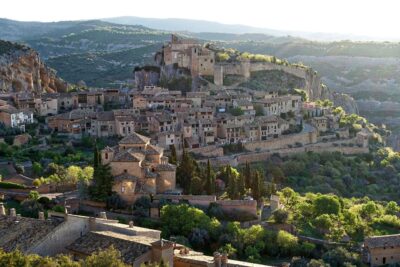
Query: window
pixel 125 171
pixel 106 155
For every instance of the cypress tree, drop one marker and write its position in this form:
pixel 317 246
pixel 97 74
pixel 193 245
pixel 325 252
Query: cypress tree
pixel 185 172
pixel 210 180
pixel 241 186
pixel 247 175
pixel 255 189
pixel 173 158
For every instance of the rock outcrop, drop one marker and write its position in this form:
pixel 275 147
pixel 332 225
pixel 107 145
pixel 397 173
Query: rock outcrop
pixel 345 101
pixel 21 69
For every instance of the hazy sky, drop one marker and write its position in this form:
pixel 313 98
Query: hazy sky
pixel 379 18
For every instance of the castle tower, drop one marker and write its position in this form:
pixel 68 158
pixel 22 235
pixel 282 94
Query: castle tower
pixel 218 74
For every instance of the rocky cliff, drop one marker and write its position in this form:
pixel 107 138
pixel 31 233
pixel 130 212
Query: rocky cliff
pixel 21 69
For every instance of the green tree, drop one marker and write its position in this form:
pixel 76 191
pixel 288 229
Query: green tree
pixel 107 258
pixel 102 183
pixel 185 172
pixel 37 168
pixel 257 188
pixel 34 195
pixel 326 204
pixel 182 219
pixel 196 185
pixel 286 242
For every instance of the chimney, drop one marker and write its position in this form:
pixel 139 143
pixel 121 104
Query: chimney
pixel 41 216
pixel 92 224
pixel 13 213
pixel 130 224
pixel 103 215
pixel 2 209
pixel 217 259
pixel 224 259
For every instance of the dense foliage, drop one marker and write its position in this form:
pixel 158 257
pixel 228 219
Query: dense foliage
pixel 106 258
pixel 374 175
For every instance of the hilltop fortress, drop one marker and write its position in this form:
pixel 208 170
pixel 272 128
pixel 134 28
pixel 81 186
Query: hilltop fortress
pixel 201 60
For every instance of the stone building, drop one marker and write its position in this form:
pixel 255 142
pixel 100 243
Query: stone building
pixel 189 54
pixel 381 250
pixel 139 168
pixel 81 236
pixel 15 118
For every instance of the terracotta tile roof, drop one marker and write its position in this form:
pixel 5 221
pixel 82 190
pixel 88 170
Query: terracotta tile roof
pixel 382 241
pixel 105 116
pixel 24 233
pixel 165 167
pixel 135 138
pixel 125 176
pixel 154 150
pixel 129 156
pixel 131 247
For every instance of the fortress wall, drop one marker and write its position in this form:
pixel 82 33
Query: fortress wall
pixel 262 156
pixel 208 151
pixel 313 81
pixel 282 141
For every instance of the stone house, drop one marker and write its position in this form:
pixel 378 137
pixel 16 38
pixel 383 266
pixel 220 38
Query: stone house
pixel 67 101
pixel 139 168
pixel 245 105
pixel 103 124
pixel 75 122
pixel 280 104
pixel 381 250
pixel 46 106
pixel 15 118
pixel 321 123
pixel 82 236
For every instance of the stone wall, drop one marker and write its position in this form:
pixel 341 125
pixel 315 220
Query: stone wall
pixel 64 234
pixel 208 151
pixel 232 206
pixel 313 84
pixel 283 141
pixel 317 148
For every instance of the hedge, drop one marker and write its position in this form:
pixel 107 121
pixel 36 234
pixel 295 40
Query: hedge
pixel 9 185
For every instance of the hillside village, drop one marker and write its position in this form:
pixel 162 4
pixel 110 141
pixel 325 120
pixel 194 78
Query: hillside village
pixel 139 135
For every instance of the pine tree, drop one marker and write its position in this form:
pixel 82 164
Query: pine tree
pixel 173 158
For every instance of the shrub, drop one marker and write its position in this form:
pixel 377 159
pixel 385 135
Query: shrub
pixel 281 216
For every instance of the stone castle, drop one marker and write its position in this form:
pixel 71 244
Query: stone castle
pixel 201 61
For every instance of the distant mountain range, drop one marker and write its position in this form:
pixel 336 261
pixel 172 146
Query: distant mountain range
pixel 197 26
pixel 104 53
